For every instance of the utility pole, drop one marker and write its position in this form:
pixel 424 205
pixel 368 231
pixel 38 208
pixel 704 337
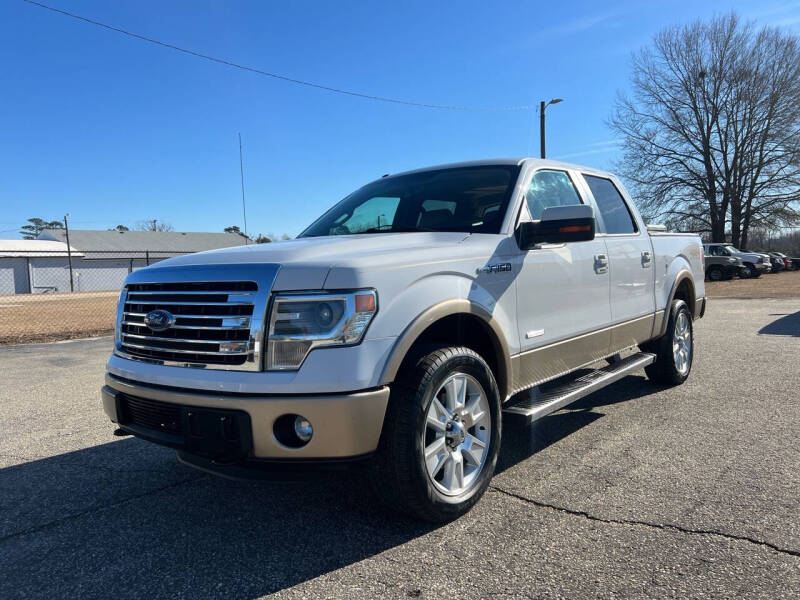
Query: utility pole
pixel 241 174
pixel 542 107
pixel 69 254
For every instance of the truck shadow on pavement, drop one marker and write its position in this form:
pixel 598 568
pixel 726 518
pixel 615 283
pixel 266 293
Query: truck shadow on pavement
pixel 125 519
pixel 788 324
pixel 521 441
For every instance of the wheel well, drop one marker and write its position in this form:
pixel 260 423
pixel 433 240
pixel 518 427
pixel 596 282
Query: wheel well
pixel 462 329
pixel 685 292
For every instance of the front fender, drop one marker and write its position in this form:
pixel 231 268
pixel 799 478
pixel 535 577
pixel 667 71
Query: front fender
pixel 436 297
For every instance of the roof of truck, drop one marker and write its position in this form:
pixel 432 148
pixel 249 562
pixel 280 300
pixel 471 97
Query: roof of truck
pixel 504 161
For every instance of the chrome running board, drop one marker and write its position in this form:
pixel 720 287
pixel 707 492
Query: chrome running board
pixel 536 404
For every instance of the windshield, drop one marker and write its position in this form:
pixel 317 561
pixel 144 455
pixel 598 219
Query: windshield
pixel 465 199
pixel 734 250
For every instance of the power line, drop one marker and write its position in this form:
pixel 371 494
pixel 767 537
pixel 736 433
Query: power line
pixel 318 86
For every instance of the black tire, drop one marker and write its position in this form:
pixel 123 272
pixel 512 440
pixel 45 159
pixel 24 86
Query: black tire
pixel 398 472
pixel 716 273
pixel 748 271
pixel 754 273
pixel 664 370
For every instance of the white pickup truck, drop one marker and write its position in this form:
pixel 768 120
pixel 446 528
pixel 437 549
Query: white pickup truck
pixel 401 324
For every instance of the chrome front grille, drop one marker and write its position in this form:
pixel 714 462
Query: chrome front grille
pixel 213 324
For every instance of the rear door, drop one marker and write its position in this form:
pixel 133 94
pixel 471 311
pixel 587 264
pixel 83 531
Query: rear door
pixel 630 263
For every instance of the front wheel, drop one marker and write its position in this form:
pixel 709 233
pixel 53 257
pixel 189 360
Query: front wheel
pixel 675 349
pixel 716 273
pixel 440 438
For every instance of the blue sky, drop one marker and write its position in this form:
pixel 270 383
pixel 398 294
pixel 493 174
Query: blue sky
pixel 114 130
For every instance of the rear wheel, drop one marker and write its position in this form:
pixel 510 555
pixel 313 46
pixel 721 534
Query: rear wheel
pixel 675 349
pixel 441 436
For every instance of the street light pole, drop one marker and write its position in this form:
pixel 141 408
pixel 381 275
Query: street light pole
pixel 542 107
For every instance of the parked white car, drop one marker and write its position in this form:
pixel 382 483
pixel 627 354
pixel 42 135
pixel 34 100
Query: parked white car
pixel 400 325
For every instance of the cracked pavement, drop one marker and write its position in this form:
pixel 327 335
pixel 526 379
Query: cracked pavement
pixel 635 491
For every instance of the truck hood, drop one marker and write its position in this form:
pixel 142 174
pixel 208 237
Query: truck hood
pixel 323 251
pixel 306 262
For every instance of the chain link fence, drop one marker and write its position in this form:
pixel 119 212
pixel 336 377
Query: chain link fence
pixel 47 295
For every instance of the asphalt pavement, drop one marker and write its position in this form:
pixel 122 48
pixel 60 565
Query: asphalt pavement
pixel 636 491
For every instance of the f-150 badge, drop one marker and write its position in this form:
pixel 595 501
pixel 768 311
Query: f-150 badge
pixel 498 268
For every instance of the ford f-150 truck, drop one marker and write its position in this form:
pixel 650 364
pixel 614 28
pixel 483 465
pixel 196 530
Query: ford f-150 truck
pixel 400 325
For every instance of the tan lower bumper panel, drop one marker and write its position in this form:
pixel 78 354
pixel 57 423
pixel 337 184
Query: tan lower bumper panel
pixel 344 425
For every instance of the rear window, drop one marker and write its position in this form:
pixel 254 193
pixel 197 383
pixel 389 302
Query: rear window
pixel 616 216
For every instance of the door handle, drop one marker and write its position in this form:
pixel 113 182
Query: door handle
pixel 647 259
pixel 600 263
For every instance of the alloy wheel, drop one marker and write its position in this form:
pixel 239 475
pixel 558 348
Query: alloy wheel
pixel 682 343
pixel 458 430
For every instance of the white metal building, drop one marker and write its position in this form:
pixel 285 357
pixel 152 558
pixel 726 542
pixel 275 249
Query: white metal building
pixel 28 265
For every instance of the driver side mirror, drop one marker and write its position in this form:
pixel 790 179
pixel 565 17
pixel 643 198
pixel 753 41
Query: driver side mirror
pixel 559 224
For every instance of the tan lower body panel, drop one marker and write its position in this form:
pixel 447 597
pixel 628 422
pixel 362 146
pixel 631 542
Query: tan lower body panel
pixel 631 333
pixel 344 424
pixel 554 360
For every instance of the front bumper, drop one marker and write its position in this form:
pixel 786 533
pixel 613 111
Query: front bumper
pixel 345 425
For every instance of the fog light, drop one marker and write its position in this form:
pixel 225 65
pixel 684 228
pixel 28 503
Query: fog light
pixel 302 428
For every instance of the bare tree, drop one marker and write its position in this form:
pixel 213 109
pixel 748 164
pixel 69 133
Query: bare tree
pixel 154 225
pixel 710 128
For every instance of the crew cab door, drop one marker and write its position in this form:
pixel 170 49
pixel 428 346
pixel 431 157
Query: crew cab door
pixel 562 289
pixel 630 263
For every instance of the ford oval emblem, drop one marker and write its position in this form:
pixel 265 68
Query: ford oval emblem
pixel 159 320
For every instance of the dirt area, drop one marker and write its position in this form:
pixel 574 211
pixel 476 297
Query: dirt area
pixel 49 317
pixel 772 285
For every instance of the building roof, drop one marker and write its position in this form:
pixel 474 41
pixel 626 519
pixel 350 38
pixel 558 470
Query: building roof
pixel 156 242
pixel 34 248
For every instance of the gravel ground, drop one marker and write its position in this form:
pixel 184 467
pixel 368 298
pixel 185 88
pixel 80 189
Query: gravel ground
pixel 61 316
pixel 785 284
pixel 636 491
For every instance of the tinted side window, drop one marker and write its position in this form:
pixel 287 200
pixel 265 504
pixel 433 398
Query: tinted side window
pixel 550 188
pixel 612 207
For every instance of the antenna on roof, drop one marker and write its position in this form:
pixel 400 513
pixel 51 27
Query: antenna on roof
pixel 241 173
pixel 69 254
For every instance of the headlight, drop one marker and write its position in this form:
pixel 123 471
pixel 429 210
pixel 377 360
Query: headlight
pixel 298 323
